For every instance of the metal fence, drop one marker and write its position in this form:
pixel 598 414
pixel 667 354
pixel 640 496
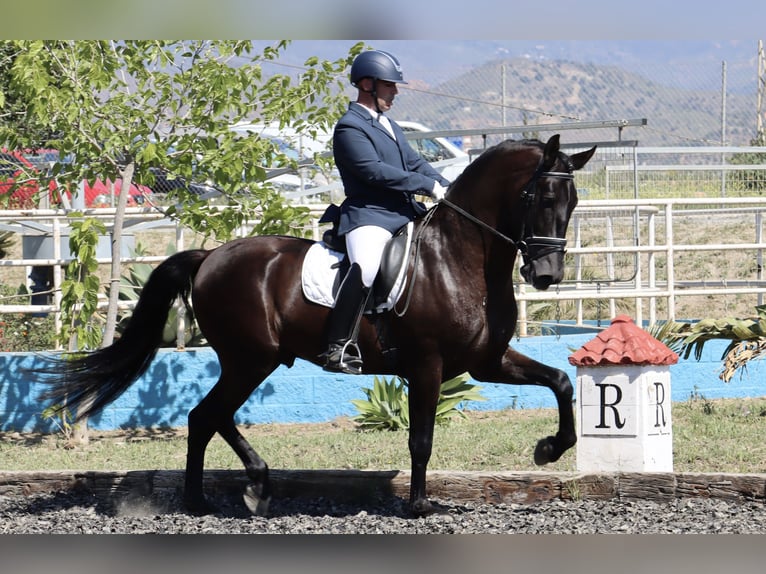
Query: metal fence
pixel 660 233
pixel 654 260
pixel 704 101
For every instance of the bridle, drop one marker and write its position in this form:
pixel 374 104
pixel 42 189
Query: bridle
pixel 530 245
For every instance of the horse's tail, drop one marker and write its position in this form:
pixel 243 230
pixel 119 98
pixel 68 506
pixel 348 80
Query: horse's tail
pixel 85 383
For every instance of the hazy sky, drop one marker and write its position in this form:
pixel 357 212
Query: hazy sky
pixel 394 19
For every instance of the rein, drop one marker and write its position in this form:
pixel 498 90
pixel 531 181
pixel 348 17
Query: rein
pixel 477 221
pixel 418 236
pixel 531 247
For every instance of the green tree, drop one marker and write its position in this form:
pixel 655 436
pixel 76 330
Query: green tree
pixel 123 109
pixel 13 105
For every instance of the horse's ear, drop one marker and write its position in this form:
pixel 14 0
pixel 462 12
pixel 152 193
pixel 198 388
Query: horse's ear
pixel 580 159
pixel 551 150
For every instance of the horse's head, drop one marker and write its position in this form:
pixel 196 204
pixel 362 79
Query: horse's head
pixel 548 201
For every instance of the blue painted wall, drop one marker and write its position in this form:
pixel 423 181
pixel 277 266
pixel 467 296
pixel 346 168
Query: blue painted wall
pixel 177 381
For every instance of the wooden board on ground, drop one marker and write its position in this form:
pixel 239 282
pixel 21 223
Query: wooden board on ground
pixel 349 485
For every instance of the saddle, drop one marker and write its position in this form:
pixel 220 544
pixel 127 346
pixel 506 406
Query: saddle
pixel 326 263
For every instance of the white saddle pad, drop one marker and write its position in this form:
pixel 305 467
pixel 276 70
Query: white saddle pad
pixel 318 275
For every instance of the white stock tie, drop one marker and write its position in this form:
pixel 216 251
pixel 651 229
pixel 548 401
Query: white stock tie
pixel 386 124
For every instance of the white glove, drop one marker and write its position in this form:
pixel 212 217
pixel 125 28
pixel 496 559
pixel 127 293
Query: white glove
pixel 439 191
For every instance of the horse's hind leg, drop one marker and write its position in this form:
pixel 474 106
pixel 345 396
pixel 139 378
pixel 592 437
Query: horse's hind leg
pixel 201 430
pixel 215 413
pixel 258 493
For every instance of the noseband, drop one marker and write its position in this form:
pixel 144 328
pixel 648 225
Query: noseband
pixel 530 245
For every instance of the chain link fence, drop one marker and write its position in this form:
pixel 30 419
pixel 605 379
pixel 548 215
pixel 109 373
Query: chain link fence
pixel 706 102
pixel 712 104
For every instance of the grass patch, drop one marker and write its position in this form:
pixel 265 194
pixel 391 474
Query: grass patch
pixel 708 436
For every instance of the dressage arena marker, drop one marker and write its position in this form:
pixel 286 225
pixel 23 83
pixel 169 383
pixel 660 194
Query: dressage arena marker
pixel 623 401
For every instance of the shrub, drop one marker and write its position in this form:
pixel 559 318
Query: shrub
pixel 387 403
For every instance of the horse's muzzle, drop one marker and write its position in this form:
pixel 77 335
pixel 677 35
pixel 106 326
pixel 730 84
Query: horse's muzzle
pixel 543 261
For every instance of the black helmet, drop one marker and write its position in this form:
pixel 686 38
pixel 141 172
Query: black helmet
pixel 378 65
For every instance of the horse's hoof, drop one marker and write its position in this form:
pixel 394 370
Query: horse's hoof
pixel 255 504
pixel 545 451
pixel 421 508
pixel 551 448
pixel 425 507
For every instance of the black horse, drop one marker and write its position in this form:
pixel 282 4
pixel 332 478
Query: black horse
pixel 460 313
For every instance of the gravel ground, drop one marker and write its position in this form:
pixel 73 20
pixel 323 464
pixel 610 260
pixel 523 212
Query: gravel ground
pixel 79 513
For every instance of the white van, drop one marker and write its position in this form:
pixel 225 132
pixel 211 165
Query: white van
pixel 444 155
pixel 296 146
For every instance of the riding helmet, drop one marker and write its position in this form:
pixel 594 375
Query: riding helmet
pixel 378 65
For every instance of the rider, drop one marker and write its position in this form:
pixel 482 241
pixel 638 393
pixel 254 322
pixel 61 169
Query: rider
pixel 381 173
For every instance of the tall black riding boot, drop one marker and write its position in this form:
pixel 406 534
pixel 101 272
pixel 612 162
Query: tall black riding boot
pixel 343 354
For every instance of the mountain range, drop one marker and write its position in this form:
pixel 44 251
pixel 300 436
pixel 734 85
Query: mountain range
pixel 436 61
pixel 698 92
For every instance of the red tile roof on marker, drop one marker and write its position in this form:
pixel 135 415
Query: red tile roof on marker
pixel 623 343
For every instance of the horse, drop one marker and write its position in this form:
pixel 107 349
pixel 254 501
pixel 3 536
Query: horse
pixel 460 314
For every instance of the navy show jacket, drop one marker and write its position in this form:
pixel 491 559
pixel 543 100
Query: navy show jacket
pixel 380 175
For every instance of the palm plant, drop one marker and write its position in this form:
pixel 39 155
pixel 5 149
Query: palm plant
pixel 387 404
pixel 747 339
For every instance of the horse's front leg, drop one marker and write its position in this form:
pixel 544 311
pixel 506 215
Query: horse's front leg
pixel 515 368
pixel 424 388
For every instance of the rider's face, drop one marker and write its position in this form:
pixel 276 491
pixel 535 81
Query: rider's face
pixel 386 93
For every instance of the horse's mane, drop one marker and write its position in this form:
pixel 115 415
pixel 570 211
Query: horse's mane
pixel 487 155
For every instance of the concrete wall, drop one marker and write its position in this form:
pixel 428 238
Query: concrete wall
pixel 177 381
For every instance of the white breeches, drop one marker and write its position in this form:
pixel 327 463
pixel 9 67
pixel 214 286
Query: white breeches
pixel 365 247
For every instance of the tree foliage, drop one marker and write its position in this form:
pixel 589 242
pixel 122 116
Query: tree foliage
pixel 126 109
pixel 80 288
pixel 387 404
pixel 167 105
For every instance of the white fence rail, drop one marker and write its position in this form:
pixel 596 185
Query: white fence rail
pixel 695 250
pixel 641 257
pixel 642 249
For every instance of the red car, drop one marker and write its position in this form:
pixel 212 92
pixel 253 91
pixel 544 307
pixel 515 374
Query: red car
pixel 100 194
pixel 15 194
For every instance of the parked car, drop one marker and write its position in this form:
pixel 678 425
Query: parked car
pixel 34 165
pixel 296 146
pixel 99 194
pixel 165 182
pixel 18 186
pixel 447 158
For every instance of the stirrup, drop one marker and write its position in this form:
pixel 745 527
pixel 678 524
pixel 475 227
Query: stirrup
pixel 345 358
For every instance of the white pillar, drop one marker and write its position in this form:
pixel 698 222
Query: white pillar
pixel 624 419
pixel 623 410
